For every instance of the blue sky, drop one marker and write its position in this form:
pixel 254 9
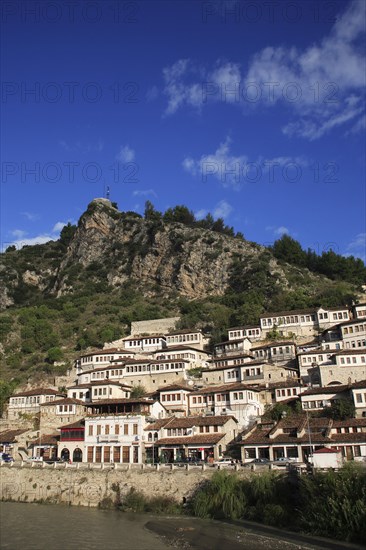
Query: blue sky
pixel 249 110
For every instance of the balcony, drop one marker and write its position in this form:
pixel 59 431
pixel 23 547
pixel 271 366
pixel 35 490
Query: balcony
pixel 108 438
pixel 118 438
pixel 253 377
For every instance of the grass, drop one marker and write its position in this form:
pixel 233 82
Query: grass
pixel 331 504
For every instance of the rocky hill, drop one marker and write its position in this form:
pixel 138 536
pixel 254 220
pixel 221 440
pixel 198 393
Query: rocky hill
pixel 116 247
pixel 117 267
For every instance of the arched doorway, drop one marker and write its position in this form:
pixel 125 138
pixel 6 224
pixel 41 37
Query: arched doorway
pixel 65 454
pixel 77 455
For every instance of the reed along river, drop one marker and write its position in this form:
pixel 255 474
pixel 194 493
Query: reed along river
pixel 58 527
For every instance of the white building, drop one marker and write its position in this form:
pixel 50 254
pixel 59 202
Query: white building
pixel 237 400
pixel 192 338
pixel 115 438
pixel 28 402
pixel 252 332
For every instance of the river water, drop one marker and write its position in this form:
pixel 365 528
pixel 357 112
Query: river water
pixel 58 527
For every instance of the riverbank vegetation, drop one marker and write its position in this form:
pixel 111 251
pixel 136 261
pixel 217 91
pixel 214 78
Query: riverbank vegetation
pixel 330 504
pixel 136 501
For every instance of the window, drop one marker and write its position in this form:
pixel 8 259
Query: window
pixel 135 429
pixel 90 430
pixel 125 429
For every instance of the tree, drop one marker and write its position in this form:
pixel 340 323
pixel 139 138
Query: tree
pixel 6 390
pixel 150 213
pixel 341 409
pixel 138 391
pixel 67 233
pixel 289 250
pixel 277 411
pixel 54 354
pixel 11 248
pixel 179 214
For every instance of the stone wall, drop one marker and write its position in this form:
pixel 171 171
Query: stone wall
pixel 89 487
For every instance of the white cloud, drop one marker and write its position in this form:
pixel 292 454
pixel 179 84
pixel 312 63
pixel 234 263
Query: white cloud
pixel 223 209
pixel 58 227
pixel 30 216
pixel 21 238
pixel 323 83
pixel 221 164
pixel 190 165
pixel 278 231
pixel 18 233
pixel 144 193
pixel 357 247
pixel 200 214
pixel 126 154
pixel 177 90
pixel 39 239
pixel 233 170
pixel 281 231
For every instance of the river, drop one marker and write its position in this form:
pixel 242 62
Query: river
pixel 58 527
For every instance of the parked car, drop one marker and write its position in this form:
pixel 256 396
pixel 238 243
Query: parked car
pixel 259 461
pixel 224 462
pixel 6 457
pixel 285 460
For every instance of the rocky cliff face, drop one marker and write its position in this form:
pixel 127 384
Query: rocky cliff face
pixel 116 247
pixel 171 257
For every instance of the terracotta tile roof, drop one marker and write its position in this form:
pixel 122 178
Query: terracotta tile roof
pixel 80 424
pixel 127 361
pixel 350 351
pixel 121 400
pixel 141 337
pixel 225 388
pixel 200 439
pixel 285 384
pixel 288 313
pixel 190 421
pixel 326 389
pixel 158 361
pixel 47 439
pixel 316 351
pixel 225 367
pixel 105 382
pixel 185 331
pixel 158 424
pixel 38 391
pixel 319 430
pixel 325 450
pixel 243 327
pixel 180 347
pixel 358 437
pixel 236 341
pixel 10 436
pixel 352 322
pixel 65 401
pixel 237 356
pixel 97 369
pixel 360 384
pixel 106 351
pixel 174 387
pixel 349 422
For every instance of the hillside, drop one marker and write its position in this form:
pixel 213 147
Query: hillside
pixel 117 267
